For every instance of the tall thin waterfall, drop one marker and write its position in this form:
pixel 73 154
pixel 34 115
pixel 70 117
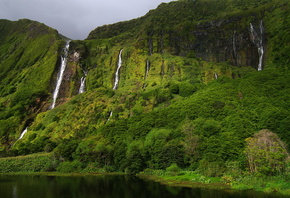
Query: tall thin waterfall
pixel 147 68
pixel 117 74
pixel 257 39
pixel 83 83
pixel 117 79
pixel 110 115
pixel 216 75
pixel 23 133
pixel 60 74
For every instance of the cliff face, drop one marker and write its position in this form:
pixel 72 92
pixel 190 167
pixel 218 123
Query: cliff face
pixel 225 40
pixel 27 61
pixel 177 36
pixel 175 42
pixel 195 29
pixel 213 41
pixel 167 56
pixel 72 74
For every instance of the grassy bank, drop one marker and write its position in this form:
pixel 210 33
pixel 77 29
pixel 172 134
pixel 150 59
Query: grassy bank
pixel 277 184
pixel 267 184
pixel 41 162
pixel 184 179
pixel 48 164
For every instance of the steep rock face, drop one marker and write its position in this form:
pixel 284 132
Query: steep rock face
pixel 187 31
pixel 175 81
pixel 72 74
pixel 71 80
pixel 27 61
pixel 213 41
pixel 218 41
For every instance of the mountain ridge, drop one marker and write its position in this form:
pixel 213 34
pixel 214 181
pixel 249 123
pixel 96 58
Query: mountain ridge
pixel 181 84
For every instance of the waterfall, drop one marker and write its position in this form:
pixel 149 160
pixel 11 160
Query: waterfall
pixel 215 76
pixel 23 133
pixel 117 78
pixel 147 68
pixel 60 74
pixel 82 87
pixel 257 39
pixel 110 115
pixel 83 83
pixel 117 74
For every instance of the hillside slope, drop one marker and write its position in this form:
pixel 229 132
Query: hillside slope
pixel 186 84
pixel 29 56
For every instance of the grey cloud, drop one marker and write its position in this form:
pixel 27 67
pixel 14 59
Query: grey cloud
pixel 76 18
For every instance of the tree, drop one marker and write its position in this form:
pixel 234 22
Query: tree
pixel 66 149
pixel 191 139
pixel 155 146
pixel 134 157
pixel 266 153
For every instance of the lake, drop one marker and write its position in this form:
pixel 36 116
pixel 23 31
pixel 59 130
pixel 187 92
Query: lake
pixel 105 186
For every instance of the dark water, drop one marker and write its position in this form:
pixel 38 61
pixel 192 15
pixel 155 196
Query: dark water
pixel 104 187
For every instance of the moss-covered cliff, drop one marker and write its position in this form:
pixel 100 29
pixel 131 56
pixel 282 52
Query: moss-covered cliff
pixel 29 57
pixel 188 87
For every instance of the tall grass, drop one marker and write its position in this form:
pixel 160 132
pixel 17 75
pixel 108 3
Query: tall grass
pixel 30 163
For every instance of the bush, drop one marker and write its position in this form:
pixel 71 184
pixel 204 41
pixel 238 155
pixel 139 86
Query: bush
pixel 186 89
pixel 70 167
pixel 174 88
pixel 173 169
pixel 211 169
pixel 266 153
pixel 29 163
pixel 66 149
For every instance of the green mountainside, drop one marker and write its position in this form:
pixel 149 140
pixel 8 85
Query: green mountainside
pixel 28 56
pixel 189 90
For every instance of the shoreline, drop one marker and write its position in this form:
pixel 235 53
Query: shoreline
pixel 168 180
pixel 59 174
pixel 268 187
pixel 188 184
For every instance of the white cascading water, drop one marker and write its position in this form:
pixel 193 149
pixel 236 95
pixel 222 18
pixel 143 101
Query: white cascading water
pixel 23 133
pixel 60 74
pixel 83 84
pixel 215 76
pixel 117 78
pixel 111 113
pixel 147 68
pixel 257 39
pixel 117 74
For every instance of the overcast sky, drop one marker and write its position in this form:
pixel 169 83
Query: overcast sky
pixel 76 18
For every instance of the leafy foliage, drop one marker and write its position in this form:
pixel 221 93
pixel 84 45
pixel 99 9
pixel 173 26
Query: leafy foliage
pixel 178 103
pixel 266 153
pixel 27 63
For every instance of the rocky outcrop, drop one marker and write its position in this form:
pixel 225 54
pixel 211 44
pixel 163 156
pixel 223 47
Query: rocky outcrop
pixel 71 77
pixel 213 41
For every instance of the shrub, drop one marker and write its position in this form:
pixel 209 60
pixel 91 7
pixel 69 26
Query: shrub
pixel 173 169
pixel 29 163
pixel 186 89
pixel 266 153
pixel 70 167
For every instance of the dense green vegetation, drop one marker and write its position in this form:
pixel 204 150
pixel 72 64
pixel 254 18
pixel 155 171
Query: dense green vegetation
pixel 189 97
pixel 206 130
pixel 30 163
pixel 27 60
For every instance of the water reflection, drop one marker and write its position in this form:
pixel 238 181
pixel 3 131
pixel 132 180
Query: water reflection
pixel 14 193
pixel 105 187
